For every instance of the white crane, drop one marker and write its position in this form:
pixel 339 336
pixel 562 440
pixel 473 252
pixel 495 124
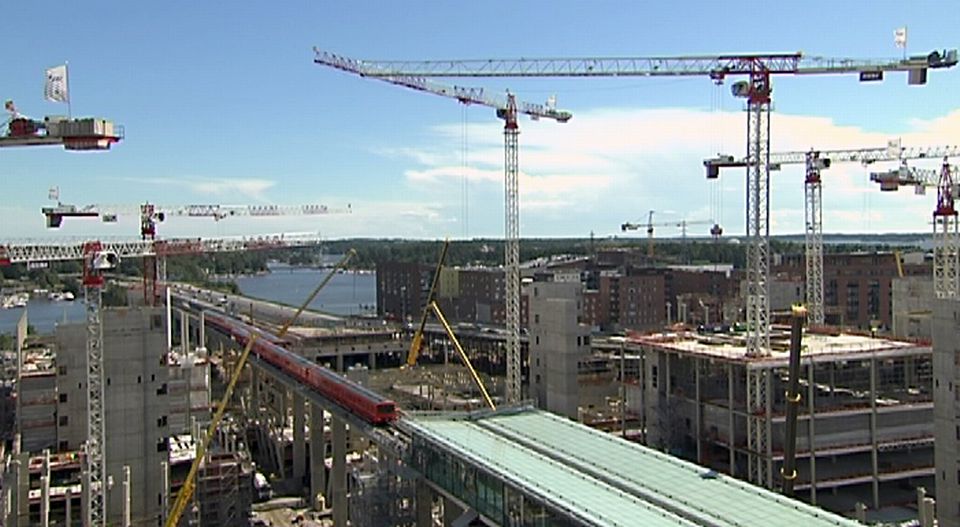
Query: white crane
pixel 758 92
pixel 816 161
pixel 946 239
pixel 98 259
pixel 507 109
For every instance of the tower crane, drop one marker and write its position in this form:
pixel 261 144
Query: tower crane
pixel 815 161
pixel 154 266
pixel 151 214
pixel 758 91
pixel 682 225
pixel 507 109
pixel 99 258
pixel 77 134
pixel 946 240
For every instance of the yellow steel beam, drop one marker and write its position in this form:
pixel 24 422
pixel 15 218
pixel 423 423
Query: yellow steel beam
pixel 418 336
pixel 186 491
pixel 463 355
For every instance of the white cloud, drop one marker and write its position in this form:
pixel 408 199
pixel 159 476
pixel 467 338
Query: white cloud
pixel 610 165
pixel 252 188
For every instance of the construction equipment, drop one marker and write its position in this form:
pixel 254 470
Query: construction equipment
pixel 788 472
pixel 151 214
pixel 417 341
pixel 815 162
pixel 682 225
pixel 57 130
pixel 507 109
pixel 190 483
pixel 946 239
pixel 78 134
pixel 463 355
pixel 99 258
pixel 758 92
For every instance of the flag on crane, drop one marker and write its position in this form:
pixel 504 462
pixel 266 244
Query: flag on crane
pixel 55 89
pixel 900 37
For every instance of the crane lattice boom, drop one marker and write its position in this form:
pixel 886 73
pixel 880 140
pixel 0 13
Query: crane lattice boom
pixel 716 67
pixel 28 251
pixel 464 94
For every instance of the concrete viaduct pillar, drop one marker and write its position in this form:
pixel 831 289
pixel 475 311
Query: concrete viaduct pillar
pixel 299 444
pixel 339 476
pixel 318 471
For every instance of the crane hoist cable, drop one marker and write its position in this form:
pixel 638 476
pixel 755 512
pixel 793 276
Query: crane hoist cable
pixel 189 484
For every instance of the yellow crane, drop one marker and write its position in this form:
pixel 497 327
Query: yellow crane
pixel 432 305
pixel 189 485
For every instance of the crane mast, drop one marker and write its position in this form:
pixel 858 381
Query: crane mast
pixel 815 161
pixel 507 109
pixel 758 68
pixel 945 237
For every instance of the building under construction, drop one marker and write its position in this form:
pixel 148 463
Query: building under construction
pixel 865 429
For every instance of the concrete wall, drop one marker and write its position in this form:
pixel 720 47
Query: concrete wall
pixel 946 351
pixel 911 306
pixel 39 407
pixel 558 342
pixel 135 396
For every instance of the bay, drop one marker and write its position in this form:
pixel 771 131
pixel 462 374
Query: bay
pixel 348 293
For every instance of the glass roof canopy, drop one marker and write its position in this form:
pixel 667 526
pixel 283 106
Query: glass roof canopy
pixel 585 477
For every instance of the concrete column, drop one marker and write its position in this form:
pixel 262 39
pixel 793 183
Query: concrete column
pixel 68 501
pixel 873 432
pixel 85 491
pixel 45 490
pixel 184 331
pixel 44 501
pixel 811 432
pixel 731 431
pixel 424 504
pixel 164 490
pixel 339 476
pixel 203 332
pixel 169 321
pixel 254 391
pixel 373 360
pixel 699 409
pixel 318 471
pixel 299 443
pixel 340 361
pixel 768 424
pixel 23 489
pixel 126 496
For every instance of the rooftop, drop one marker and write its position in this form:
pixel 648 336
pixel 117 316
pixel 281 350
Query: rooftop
pixel 600 479
pixel 816 346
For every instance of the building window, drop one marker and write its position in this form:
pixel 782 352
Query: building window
pixel 536 318
pixel 63 421
pixel 61 370
pixel 156 321
pixel 162 421
pixel 63 397
pixel 162 445
pixel 162 390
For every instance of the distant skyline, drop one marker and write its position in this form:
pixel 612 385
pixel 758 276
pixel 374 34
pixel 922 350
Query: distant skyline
pixel 225 105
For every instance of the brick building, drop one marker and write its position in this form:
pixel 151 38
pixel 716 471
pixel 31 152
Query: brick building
pixel 857 286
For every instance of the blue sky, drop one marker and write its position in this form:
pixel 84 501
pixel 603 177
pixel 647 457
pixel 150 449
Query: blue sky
pixel 222 104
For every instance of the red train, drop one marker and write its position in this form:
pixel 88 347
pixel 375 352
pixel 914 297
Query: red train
pixel 362 402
